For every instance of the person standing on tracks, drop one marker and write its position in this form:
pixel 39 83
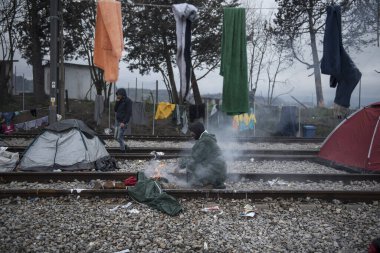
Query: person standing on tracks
pixel 206 165
pixel 123 113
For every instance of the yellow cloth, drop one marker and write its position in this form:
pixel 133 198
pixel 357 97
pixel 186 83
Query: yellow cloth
pixel 108 38
pixel 252 117
pixel 235 121
pixel 164 110
pixel 244 121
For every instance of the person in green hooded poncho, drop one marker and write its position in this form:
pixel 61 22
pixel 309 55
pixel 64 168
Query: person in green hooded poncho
pixel 206 165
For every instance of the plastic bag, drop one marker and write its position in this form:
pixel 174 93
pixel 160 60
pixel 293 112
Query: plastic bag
pixel 8 160
pixel 116 133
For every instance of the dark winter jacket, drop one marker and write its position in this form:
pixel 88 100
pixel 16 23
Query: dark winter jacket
pixel 123 107
pixel 206 164
pixel 335 60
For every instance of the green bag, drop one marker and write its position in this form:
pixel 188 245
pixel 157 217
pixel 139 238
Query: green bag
pixel 149 191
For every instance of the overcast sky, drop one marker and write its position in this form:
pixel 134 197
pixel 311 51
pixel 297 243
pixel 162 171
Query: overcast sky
pixel 297 76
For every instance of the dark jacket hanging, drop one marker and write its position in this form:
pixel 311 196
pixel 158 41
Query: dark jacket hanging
pixel 185 15
pixel 336 62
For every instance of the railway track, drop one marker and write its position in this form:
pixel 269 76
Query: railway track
pixel 345 196
pixel 187 138
pixel 47 177
pixel 168 153
pixel 171 153
pixel 140 153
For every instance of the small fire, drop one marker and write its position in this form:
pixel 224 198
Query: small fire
pixel 157 171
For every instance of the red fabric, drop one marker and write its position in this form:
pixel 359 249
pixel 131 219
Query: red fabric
pixel 131 181
pixel 7 129
pixel 356 141
pixel 372 249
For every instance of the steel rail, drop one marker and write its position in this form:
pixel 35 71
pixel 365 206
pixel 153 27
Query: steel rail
pixel 172 153
pixel 147 150
pixel 48 177
pixel 345 196
pixel 187 138
pixel 256 157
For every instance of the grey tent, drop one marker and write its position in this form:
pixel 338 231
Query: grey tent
pixel 66 145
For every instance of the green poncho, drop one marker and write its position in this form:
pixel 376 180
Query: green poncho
pixel 149 192
pixel 206 164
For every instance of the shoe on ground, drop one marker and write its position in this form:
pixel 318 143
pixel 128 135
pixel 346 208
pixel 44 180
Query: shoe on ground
pixel 220 186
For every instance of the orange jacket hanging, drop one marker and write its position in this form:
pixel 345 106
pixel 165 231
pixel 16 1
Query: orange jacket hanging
pixel 108 38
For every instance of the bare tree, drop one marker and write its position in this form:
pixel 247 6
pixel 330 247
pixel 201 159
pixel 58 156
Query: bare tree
pixel 361 24
pixel 8 42
pixel 265 52
pixel 151 42
pixel 294 21
pixel 257 44
pixel 278 62
pixel 81 19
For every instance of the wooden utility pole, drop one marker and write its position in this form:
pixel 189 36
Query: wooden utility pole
pixel 53 60
pixel 61 92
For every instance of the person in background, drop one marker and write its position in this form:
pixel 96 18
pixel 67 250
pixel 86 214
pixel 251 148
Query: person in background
pixel 206 165
pixel 123 113
pixel 6 122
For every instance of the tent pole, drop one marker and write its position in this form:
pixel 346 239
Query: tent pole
pixel 360 91
pixel 154 107
pixel 299 121
pixel 136 91
pixel 254 113
pixel 109 111
pixel 372 139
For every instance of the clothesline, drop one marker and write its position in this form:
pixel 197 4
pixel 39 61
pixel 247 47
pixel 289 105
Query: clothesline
pixel 170 6
pixel 37 109
pixel 248 8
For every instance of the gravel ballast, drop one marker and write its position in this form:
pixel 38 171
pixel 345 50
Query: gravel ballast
pixel 94 225
pixel 243 185
pixel 74 224
pixel 235 166
pixel 189 144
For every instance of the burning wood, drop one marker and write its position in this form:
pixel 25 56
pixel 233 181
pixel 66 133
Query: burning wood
pixel 157 171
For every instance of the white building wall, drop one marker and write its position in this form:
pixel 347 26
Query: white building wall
pixel 77 82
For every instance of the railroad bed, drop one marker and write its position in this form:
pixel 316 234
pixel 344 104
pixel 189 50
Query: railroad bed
pixel 189 143
pixel 69 224
pixel 290 199
pixel 347 187
pixel 250 178
pixel 229 154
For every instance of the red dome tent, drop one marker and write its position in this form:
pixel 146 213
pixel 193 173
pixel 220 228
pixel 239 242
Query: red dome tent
pixel 355 142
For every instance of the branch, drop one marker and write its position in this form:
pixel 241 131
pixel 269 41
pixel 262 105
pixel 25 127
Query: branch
pixel 299 102
pixel 209 70
pixel 377 71
pixel 283 94
pixel 309 66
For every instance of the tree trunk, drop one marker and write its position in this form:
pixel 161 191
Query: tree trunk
pixel 4 91
pixel 316 67
pixel 108 96
pixel 6 66
pixel 194 85
pixel 317 72
pixel 38 71
pixel 170 73
pixel 171 79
